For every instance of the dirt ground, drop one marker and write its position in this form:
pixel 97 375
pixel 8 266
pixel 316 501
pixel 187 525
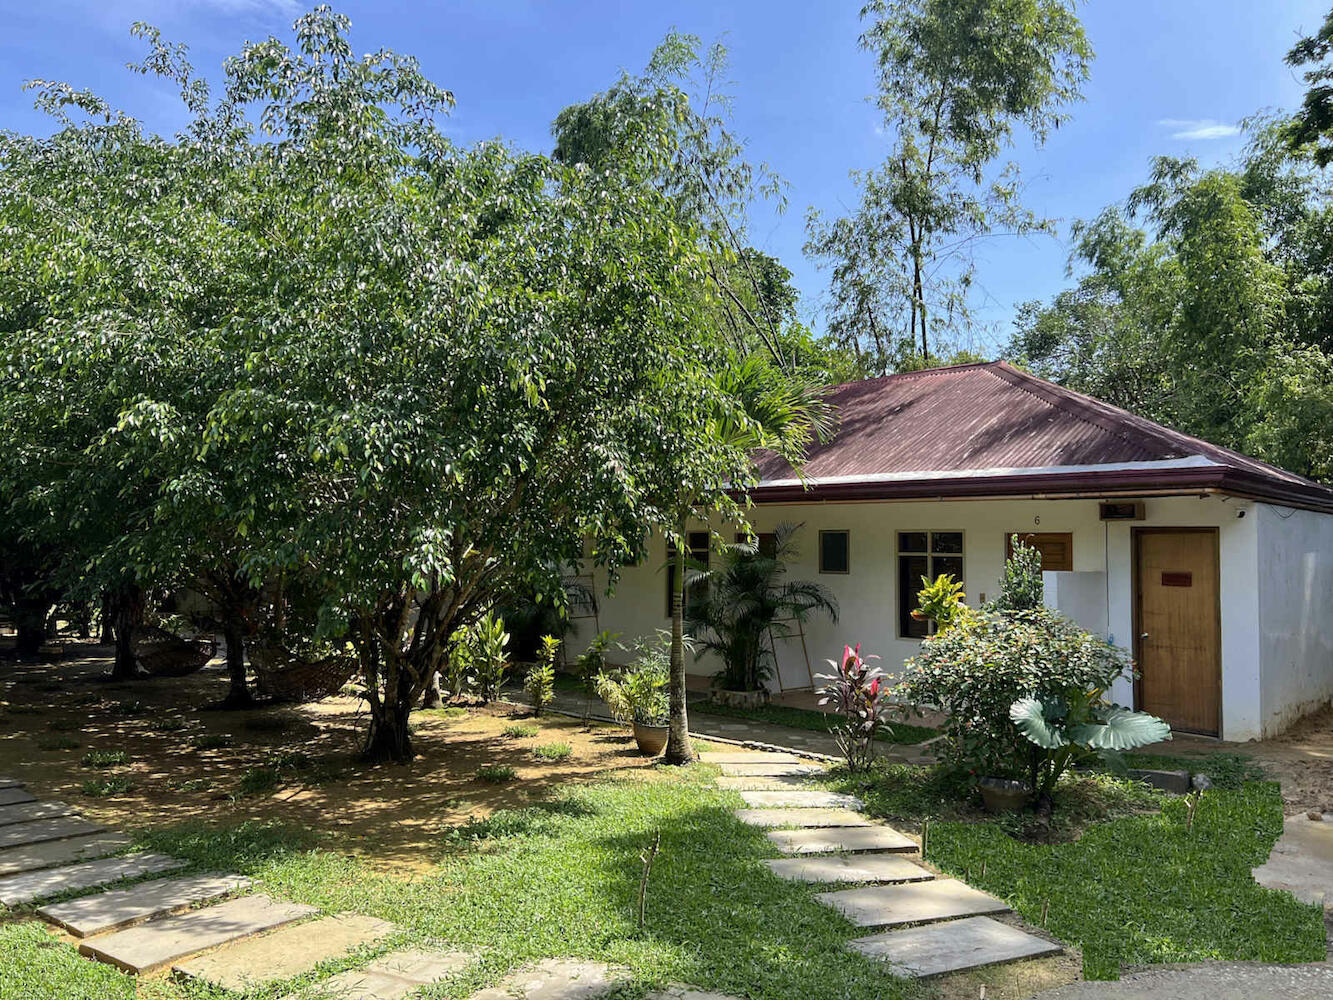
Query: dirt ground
pixel 1301 759
pixel 53 714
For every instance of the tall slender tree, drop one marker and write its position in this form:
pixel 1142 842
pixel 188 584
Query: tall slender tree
pixel 957 78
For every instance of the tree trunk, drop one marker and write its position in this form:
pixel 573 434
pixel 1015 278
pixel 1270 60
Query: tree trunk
pixel 238 693
pixel 127 612
pixel 105 635
pixel 679 750
pixel 389 738
pixel 432 698
pixel 30 624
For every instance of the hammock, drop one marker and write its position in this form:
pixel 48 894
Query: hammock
pixel 283 676
pixel 165 654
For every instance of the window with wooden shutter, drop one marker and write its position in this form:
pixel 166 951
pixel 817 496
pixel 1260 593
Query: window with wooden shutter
pixel 1056 548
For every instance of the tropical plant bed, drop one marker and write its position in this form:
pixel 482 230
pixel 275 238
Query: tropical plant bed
pixel 808 719
pixel 1119 872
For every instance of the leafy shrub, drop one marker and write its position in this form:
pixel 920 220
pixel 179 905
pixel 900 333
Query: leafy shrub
pixel 749 605
pixel 66 725
pixel 520 731
pixel 496 773
pixel 637 693
pixel 488 651
pixel 941 601
pixel 189 784
pixel 1021 588
pixel 859 696
pixel 130 708
pixel 553 752
pixel 976 671
pixel 169 724
pixel 1076 725
pixel 259 780
pixel 540 682
pixel 213 741
pixel 104 758
pixel 102 788
pixel 591 662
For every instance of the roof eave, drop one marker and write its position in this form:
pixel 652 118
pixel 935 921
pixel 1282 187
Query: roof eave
pixel 1198 479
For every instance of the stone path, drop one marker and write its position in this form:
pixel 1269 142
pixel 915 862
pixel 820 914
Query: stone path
pixel 159 943
pixel 1302 860
pixel 937 924
pixel 112 911
pixel 284 954
pixel 25 888
pixel 10 794
pixel 25 811
pixel 199 926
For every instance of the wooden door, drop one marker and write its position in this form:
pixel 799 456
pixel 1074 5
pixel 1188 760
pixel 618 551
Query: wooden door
pixel 1178 645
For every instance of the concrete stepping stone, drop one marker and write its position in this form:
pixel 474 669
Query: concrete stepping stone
pixel 955 946
pixel 111 911
pixel 286 953
pixel 13 796
pixel 555 979
pixel 688 993
pixel 398 974
pixel 37 830
pixel 841 839
pixel 22 812
pixel 763 782
pixel 1301 862
pixel 50 853
pixel 25 888
pixel 801 817
pixel 770 770
pixel 858 868
pixel 801 799
pixel 750 757
pixel 162 942
pixel 914 903
pixel 10 783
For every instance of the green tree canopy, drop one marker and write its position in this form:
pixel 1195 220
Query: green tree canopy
pixel 1203 302
pixel 956 79
pixel 310 339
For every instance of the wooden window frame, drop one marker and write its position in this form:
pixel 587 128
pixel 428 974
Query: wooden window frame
pixel 848 547
pixel 931 556
pixel 1067 536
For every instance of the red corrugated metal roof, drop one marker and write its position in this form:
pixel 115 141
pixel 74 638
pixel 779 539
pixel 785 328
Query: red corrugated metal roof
pixel 987 429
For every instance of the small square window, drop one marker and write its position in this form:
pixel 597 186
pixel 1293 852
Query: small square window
pixel 834 554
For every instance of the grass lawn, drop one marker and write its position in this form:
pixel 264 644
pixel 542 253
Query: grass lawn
pixel 1129 885
pixel 812 721
pixel 557 878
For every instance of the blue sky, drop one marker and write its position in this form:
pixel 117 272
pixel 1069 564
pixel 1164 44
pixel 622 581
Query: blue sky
pixel 1171 76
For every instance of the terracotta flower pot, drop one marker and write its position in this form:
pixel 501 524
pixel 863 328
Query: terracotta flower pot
pixel 652 740
pixel 1003 794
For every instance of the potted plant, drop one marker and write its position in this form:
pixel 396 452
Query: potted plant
pixel 748 606
pixel 636 695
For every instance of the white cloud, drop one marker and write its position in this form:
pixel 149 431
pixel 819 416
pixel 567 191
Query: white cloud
pixel 1199 128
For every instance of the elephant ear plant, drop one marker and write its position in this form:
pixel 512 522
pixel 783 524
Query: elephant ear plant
pixel 1076 725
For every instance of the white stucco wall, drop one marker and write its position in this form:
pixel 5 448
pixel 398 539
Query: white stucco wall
pixel 1295 583
pixel 1102 557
